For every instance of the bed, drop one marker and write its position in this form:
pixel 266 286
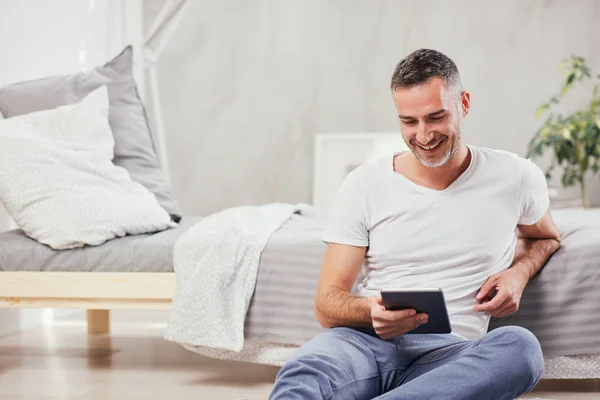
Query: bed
pixel 135 272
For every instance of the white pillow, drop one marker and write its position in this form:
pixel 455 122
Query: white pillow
pixel 58 182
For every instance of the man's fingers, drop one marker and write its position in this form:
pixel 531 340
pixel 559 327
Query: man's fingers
pixel 388 332
pixel 389 328
pixel 392 316
pixel 379 299
pixel 401 314
pixel 421 319
pixel 492 304
pixel 501 314
pixel 487 287
pixel 506 309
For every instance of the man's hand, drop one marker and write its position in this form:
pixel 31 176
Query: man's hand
pixel 388 323
pixel 509 286
pixel 535 245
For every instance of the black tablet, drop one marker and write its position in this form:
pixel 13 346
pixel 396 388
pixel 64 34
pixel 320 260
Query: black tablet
pixel 430 301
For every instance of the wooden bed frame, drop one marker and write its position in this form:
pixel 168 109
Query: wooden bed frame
pixel 96 292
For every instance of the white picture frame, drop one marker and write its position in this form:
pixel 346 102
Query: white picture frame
pixel 336 154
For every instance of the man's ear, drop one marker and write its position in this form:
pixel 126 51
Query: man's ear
pixel 465 102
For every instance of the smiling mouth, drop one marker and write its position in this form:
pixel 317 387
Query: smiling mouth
pixel 430 147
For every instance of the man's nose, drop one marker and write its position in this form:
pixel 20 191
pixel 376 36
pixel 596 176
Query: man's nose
pixel 424 135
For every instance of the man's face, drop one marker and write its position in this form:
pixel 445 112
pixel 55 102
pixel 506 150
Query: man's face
pixel 431 120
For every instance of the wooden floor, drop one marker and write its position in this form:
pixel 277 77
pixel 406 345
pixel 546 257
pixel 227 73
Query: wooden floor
pixel 61 361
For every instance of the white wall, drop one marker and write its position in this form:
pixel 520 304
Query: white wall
pixel 247 85
pixel 41 38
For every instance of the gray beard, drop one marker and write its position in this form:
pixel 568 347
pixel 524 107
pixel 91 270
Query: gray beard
pixel 448 155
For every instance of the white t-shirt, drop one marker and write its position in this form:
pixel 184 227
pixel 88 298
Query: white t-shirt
pixel 452 239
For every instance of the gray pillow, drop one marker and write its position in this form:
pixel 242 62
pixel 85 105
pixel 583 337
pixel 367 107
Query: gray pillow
pixel 134 148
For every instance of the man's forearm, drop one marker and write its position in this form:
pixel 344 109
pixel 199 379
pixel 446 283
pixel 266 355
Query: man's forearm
pixel 532 254
pixel 337 307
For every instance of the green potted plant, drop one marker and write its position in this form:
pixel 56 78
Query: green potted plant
pixel 574 139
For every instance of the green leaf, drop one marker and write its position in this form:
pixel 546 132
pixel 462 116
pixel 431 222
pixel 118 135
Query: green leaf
pixel 540 110
pixel 598 123
pixel 570 176
pixel 568 83
pixel 563 64
pixel 567 179
pixel 584 164
pixel 548 173
pixel 561 154
pixel 545 132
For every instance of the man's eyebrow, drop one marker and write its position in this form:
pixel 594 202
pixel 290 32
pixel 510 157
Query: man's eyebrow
pixel 428 115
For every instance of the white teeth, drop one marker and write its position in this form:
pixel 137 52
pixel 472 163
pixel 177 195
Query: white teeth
pixel 431 147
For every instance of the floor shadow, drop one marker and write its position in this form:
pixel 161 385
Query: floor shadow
pixel 569 385
pixel 244 378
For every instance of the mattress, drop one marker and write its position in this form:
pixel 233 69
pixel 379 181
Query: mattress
pixel 136 253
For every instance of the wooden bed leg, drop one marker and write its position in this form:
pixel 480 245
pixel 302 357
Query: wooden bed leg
pixel 98 321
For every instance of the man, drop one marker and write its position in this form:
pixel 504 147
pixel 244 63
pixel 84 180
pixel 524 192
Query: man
pixel 472 221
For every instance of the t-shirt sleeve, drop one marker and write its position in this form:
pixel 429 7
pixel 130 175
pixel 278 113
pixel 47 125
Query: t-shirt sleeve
pixel 533 194
pixel 346 222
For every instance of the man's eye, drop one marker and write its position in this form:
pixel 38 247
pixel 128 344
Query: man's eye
pixel 409 122
pixel 438 118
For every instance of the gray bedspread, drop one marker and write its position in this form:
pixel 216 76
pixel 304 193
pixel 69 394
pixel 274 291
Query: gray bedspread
pixel 282 308
pixel 137 253
pixel 561 305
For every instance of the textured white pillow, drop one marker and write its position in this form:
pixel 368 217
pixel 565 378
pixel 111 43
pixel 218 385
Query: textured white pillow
pixel 58 182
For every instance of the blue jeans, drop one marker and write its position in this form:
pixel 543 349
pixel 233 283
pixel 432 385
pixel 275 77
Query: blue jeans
pixel 348 363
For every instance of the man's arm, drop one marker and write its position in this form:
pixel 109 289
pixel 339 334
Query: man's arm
pixel 535 245
pixel 533 249
pixel 334 305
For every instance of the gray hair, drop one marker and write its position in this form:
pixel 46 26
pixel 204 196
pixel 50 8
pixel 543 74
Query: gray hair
pixel 423 64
